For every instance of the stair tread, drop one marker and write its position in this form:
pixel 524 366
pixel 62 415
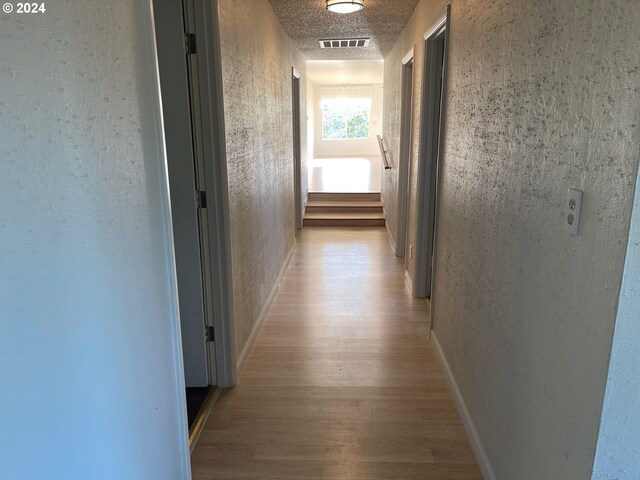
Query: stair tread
pixel 342 203
pixel 345 215
pixel 344 222
pixel 344 197
pixel 344 193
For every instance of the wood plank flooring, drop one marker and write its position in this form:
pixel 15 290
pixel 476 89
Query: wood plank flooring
pixel 342 382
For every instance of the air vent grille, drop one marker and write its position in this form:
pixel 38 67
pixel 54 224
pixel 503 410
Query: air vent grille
pixel 345 43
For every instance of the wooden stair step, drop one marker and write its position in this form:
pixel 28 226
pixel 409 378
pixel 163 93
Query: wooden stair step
pixel 317 203
pixel 344 197
pixel 344 219
pixel 344 215
pixel 353 207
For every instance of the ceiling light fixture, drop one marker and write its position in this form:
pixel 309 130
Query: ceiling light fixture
pixel 345 6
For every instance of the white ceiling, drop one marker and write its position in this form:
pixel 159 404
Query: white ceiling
pixel 345 72
pixel 308 21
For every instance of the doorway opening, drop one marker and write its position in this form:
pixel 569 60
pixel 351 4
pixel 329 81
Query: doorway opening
pixel 430 155
pixel 404 163
pixel 297 148
pixel 345 110
pixel 186 35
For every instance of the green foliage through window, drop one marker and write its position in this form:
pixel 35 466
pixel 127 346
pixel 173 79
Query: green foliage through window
pixel 345 118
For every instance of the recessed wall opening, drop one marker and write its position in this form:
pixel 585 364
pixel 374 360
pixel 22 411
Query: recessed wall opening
pixel 188 197
pixel 344 106
pixel 297 148
pixel 189 102
pixel 429 157
pixel 404 161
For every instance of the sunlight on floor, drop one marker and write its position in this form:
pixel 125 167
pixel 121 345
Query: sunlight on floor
pixel 345 175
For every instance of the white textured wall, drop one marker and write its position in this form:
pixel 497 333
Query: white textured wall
pixel 90 360
pixel 257 57
pixel 618 452
pixel 542 96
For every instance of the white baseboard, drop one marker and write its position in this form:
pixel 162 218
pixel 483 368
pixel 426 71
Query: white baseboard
pixel 386 225
pixel 263 313
pixel 472 433
pixel 409 281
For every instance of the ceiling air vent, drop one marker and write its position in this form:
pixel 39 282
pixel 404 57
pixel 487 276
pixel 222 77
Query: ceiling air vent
pixel 345 43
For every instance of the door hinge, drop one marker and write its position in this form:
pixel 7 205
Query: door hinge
pixel 190 43
pixel 201 198
pixel 210 334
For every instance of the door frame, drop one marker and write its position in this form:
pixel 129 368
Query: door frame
pixel 404 161
pixel 297 146
pixel 182 169
pixel 430 160
pixel 205 26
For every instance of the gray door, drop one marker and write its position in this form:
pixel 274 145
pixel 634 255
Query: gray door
pixel 176 102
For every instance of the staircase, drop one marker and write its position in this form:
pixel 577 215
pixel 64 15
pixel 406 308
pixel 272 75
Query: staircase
pixel 344 210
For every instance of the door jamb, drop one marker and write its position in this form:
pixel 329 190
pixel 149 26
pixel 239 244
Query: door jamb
pixel 207 32
pixel 443 23
pixel 404 161
pixel 177 355
pixel 179 138
pixel 297 146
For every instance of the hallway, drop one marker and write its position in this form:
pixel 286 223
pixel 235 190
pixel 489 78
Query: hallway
pixel 342 382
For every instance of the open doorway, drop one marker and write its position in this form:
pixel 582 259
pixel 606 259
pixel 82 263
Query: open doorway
pixel 345 109
pixel 404 163
pixel 197 180
pixel 430 155
pixel 297 148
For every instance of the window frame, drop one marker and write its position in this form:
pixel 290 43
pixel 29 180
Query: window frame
pixel 360 94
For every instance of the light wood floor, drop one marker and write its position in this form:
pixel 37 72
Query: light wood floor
pixel 342 382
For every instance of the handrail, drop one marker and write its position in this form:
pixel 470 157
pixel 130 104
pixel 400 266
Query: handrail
pixel 384 153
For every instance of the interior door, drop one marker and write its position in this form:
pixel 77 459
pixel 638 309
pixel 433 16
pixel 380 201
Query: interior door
pixel 193 76
pixel 186 203
pixel 404 164
pixel 438 79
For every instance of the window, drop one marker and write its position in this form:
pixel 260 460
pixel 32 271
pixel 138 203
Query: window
pixel 346 118
pixel 346 112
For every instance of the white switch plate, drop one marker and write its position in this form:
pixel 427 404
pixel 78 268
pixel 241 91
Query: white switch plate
pixel 572 211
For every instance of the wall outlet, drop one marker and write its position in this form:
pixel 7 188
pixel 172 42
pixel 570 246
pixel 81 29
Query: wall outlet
pixel 410 251
pixel 572 211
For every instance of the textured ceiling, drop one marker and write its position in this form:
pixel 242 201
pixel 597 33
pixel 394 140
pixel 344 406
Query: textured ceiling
pixel 307 21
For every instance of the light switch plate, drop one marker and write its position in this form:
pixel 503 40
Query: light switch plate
pixel 572 211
